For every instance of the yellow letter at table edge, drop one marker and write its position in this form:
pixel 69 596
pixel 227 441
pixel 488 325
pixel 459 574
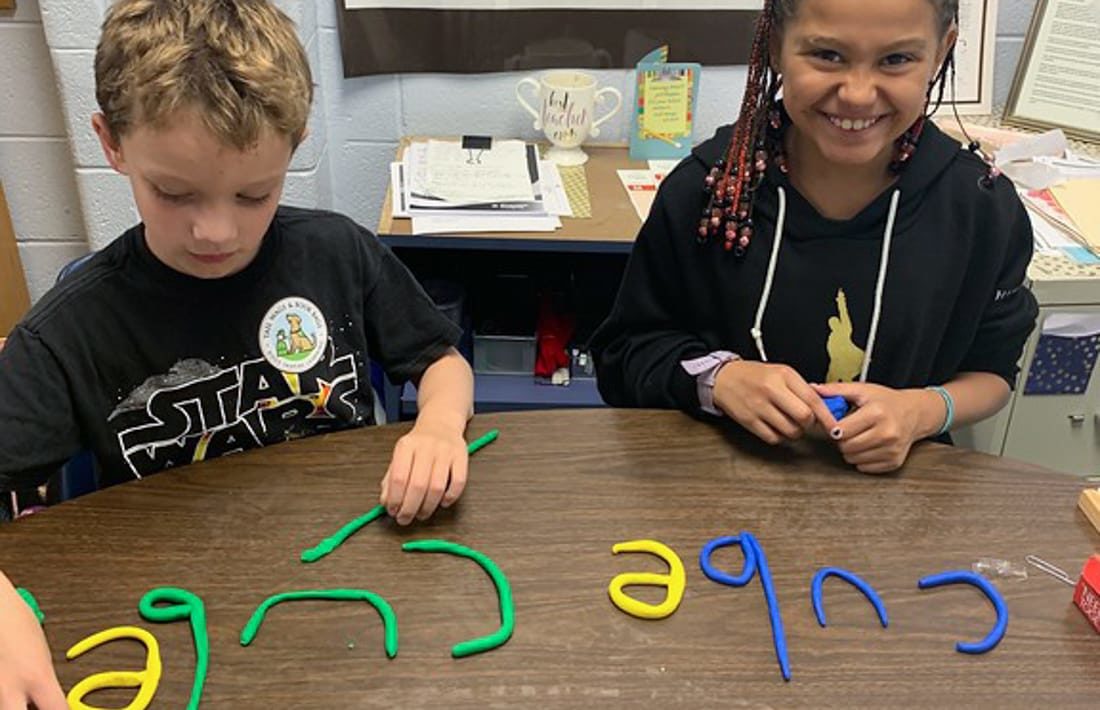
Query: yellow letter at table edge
pixel 674 581
pixel 145 680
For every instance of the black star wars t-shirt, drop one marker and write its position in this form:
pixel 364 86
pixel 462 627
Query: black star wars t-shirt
pixel 150 368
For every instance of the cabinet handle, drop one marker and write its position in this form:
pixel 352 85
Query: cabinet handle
pixel 1076 420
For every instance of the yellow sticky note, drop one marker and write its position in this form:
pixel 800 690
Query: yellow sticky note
pixel 667 110
pixel 1081 201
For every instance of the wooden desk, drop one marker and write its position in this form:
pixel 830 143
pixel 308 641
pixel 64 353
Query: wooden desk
pixel 14 301
pixel 612 227
pixel 546 502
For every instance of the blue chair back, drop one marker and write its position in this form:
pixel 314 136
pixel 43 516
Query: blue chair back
pixel 78 475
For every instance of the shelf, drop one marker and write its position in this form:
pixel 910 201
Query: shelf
pixel 495 393
pixel 474 243
pixel 610 229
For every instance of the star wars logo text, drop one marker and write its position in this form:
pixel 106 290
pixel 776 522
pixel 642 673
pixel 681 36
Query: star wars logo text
pixel 198 411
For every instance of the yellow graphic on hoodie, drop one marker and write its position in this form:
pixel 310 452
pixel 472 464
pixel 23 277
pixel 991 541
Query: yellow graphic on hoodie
pixel 845 357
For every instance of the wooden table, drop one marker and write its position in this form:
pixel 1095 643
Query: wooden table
pixel 546 502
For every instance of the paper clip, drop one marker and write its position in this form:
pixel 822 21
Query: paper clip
pixel 1044 566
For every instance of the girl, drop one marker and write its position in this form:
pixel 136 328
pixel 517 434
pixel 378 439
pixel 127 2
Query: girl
pixel 835 236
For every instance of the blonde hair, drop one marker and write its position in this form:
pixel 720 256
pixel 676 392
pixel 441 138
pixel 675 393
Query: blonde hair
pixel 237 63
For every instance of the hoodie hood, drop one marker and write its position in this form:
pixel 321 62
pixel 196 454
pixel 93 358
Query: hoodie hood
pixel 935 152
pixel 932 295
pixel 796 219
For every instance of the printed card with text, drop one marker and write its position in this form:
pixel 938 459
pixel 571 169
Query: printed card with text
pixel 663 117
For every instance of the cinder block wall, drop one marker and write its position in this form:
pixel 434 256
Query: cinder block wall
pixel 64 200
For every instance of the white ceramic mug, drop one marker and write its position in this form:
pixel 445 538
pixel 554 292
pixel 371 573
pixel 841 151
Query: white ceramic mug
pixel 567 105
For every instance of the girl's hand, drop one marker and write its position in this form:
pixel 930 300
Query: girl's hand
pixel 877 435
pixel 771 401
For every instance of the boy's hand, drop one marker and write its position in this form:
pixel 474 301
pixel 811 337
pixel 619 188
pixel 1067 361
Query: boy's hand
pixel 26 671
pixel 877 436
pixel 428 470
pixel 771 401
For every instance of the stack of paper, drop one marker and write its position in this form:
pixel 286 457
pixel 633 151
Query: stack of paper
pixel 1080 200
pixel 1061 191
pixel 1066 218
pixel 445 187
pixel 641 185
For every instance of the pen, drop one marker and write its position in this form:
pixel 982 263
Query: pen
pixel 662 137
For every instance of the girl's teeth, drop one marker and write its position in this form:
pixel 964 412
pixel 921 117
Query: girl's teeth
pixel 848 124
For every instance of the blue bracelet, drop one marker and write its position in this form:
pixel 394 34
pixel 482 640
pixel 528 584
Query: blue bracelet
pixel 948 402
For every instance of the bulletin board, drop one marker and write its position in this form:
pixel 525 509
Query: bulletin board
pixel 466 36
pixel 14 300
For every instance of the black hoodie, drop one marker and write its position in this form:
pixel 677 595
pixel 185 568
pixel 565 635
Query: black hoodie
pixel 953 296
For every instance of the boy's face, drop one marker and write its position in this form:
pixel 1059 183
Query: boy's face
pixel 206 207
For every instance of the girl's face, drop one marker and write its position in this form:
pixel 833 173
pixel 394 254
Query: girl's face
pixel 856 74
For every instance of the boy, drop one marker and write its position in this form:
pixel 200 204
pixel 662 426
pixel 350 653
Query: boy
pixel 223 322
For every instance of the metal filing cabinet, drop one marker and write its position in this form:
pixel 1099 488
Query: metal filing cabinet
pixel 1059 432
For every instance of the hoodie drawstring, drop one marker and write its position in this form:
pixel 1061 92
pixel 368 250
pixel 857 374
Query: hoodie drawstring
pixel 880 283
pixel 757 333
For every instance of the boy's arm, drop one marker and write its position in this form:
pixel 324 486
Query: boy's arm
pixel 430 462
pixel 26 672
pixel 38 428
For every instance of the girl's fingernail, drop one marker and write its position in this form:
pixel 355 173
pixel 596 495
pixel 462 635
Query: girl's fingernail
pixel 836 433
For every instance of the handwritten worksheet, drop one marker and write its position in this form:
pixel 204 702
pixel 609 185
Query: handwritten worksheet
pixel 468 175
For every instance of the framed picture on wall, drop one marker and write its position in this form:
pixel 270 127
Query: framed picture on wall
pixel 972 88
pixel 1057 82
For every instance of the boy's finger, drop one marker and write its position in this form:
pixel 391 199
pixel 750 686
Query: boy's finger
pixel 416 488
pixel 48 696
pixel 459 472
pixel 398 477
pixel 436 487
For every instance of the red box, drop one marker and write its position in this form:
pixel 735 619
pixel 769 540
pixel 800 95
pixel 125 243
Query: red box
pixel 1087 594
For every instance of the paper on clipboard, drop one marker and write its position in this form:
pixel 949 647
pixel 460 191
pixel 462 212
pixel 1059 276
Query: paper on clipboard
pixel 498 174
pixel 554 196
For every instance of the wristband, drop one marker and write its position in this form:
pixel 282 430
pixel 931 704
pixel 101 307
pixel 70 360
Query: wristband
pixel 949 403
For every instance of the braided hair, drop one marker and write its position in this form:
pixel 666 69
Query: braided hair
pixel 757 135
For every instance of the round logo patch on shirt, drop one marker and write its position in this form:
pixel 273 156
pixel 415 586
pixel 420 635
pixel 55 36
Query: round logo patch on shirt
pixel 293 334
